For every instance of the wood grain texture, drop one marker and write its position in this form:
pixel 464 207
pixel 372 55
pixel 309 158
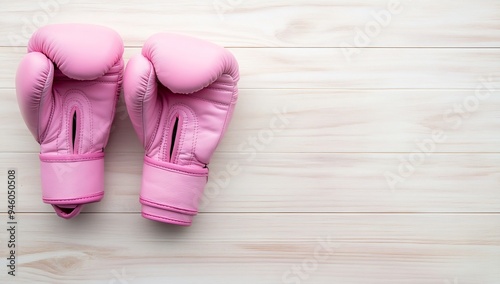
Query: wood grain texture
pixel 300 182
pixel 316 68
pixel 354 249
pixel 321 123
pixel 298 23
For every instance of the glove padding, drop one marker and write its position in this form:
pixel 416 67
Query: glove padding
pixel 180 95
pixel 67 88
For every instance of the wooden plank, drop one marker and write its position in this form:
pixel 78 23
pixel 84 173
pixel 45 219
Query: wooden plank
pixel 301 182
pixel 313 68
pixel 322 121
pixel 299 23
pixel 331 149
pixel 259 248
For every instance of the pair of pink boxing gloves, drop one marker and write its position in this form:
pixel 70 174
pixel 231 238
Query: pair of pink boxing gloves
pixel 180 95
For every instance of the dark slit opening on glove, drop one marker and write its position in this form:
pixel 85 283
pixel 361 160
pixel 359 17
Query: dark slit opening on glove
pixel 174 134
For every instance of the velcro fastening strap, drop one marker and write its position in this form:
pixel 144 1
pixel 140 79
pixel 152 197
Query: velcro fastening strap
pixel 170 193
pixel 72 179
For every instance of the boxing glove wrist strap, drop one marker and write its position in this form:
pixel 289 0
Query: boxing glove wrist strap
pixel 170 193
pixel 72 179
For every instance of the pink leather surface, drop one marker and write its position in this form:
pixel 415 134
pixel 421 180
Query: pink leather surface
pixel 71 71
pixel 185 64
pixel 193 82
pixel 63 175
pixel 177 202
pixel 82 52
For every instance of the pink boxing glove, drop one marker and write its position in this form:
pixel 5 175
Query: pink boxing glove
pixel 67 88
pixel 180 95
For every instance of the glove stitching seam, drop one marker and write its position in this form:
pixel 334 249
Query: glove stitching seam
pixel 169 206
pixel 183 134
pixel 225 84
pixel 215 102
pixel 162 154
pixel 168 125
pixel 181 130
pixel 157 127
pixel 224 126
pixel 174 170
pixel 91 125
pixel 48 160
pixel 196 127
pixel 166 218
pixel 41 137
pixel 52 99
pixel 151 69
pixel 116 99
pixel 72 199
pixel 90 83
pixel 217 88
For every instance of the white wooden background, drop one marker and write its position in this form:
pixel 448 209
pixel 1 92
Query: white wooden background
pixel 319 181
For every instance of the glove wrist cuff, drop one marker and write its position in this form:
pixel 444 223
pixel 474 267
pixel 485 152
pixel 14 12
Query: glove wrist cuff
pixel 69 181
pixel 170 193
